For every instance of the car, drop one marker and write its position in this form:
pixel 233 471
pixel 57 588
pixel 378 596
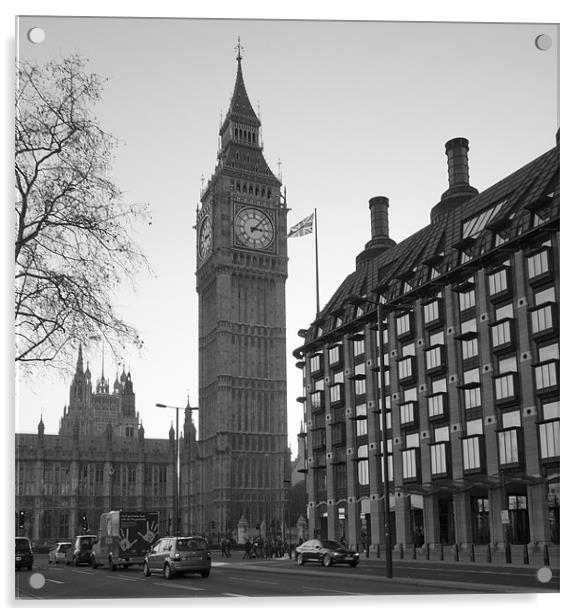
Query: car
pixel 23 553
pixel 82 549
pixel 172 556
pixel 326 552
pixel 60 552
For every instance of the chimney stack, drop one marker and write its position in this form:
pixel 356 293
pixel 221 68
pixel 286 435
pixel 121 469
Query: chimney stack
pixel 379 217
pixel 458 171
pixel 379 229
pixel 459 190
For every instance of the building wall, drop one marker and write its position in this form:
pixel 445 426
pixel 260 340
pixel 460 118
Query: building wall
pixel 470 342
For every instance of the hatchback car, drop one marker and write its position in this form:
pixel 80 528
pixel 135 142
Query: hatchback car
pixel 23 553
pixel 82 548
pixel 174 555
pixel 60 552
pixel 326 552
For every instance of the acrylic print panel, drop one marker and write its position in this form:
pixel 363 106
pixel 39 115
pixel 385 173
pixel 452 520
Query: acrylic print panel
pixel 191 383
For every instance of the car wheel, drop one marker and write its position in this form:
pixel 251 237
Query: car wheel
pixel 112 567
pixel 93 563
pixel 147 572
pixel 300 559
pixel 327 560
pixel 167 571
pixel 353 565
pixel 29 567
pixel 205 572
pixel 76 561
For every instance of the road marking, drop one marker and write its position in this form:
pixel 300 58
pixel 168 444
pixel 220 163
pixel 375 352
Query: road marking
pixel 232 594
pixel 343 592
pixel 254 581
pixel 54 581
pixel 82 572
pixel 194 588
pixel 121 577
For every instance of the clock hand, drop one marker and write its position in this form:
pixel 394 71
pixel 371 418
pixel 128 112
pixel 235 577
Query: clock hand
pixel 259 224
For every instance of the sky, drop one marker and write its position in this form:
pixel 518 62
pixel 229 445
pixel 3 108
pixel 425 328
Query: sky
pixel 349 111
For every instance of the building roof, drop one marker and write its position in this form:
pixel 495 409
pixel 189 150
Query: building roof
pixel 506 208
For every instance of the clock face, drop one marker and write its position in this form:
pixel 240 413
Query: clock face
pixel 205 237
pixel 254 228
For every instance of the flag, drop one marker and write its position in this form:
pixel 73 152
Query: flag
pixel 304 227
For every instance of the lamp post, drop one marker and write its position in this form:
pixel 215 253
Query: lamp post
pixel 357 300
pixel 176 529
pixel 289 513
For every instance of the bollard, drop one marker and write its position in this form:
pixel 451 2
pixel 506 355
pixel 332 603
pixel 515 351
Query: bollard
pixel 378 550
pixel 472 553
pixel 414 552
pixel 456 553
pixel 426 551
pixel 526 560
pixel 546 558
pixel 508 551
pixel 489 554
pixel 401 551
pixel 441 551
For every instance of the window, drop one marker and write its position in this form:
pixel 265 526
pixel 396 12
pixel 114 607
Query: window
pixel 436 405
pixel 406 368
pixel 438 456
pixel 501 333
pixel 538 264
pixel 389 444
pixel 363 471
pixel 544 296
pixel 472 397
pixel 467 300
pixel 498 281
pixel 316 363
pixel 551 410
pixel 436 338
pixel 508 446
pixel 469 343
pixel 504 312
pixel 549 439
pixel 403 323
pixel 438 386
pixel 337 393
pixel 358 347
pixel 334 356
pixel 546 375
pixel 407 413
pixel 432 311
pixel 410 466
pixel 542 319
pixel 505 387
pixel 434 357
pixel 473 226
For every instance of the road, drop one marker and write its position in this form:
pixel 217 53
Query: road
pixel 237 578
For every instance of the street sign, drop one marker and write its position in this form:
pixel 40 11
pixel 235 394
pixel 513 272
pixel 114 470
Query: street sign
pixel 505 516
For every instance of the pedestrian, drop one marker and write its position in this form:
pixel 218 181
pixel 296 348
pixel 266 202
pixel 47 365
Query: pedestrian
pixel 223 547
pixel 248 547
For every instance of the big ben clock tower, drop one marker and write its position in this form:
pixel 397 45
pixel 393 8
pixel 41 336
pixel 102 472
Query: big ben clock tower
pixel 241 273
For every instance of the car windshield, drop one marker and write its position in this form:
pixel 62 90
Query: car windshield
pixel 192 543
pixel 86 542
pixel 332 545
pixel 64 547
pixel 22 544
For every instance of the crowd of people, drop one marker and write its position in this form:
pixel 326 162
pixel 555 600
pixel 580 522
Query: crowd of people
pixel 265 548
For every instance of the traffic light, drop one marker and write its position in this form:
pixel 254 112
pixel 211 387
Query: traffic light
pixel 84 523
pixel 21 519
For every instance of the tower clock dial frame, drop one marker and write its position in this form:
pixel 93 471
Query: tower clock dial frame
pixel 254 228
pixel 205 237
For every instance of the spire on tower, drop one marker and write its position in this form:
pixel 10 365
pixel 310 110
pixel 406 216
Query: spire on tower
pixel 238 49
pixel 80 360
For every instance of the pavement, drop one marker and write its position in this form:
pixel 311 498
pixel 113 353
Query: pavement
pixel 378 573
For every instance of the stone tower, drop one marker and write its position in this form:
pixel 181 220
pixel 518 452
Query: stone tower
pixel 241 273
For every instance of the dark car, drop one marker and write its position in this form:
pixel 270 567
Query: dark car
pixel 82 548
pixel 326 552
pixel 174 555
pixel 23 553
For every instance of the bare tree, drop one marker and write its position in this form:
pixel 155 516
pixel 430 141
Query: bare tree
pixel 73 246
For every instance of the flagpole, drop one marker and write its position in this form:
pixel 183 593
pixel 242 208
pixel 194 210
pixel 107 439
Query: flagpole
pixel 317 266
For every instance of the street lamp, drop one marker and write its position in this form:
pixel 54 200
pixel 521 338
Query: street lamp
pixel 358 300
pixel 289 513
pixel 176 529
